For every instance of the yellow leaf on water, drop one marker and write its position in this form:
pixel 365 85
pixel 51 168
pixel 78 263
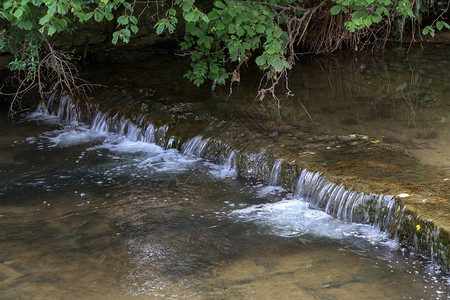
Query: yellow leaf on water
pixel 376 141
pixel 338 146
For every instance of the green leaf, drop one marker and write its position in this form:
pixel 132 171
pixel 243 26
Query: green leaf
pixel 260 28
pixel 376 18
pixel 382 10
pixel 277 33
pixel 336 9
pixel 440 25
pixel 240 31
pixel 115 37
pixel 368 22
pixel 189 16
pixel 123 20
pixel 219 4
pixel 88 15
pixel 134 20
pixel 62 9
pixel 51 9
pixel 214 15
pixel 127 6
pixel 186 6
pixel 220 26
pixel 44 20
pixel 160 29
pixel 194 30
pixel 109 16
pixel 134 28
pixel 260 60
pixel 51 30
pixel 7 4
pixel 231 28
pixel 204 18
pixel 98 16
pixel 196 16
pixel 18 13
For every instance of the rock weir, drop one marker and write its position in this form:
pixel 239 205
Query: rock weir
pixel 328 182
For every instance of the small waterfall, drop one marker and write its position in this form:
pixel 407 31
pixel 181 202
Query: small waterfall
pixel 230 163
pixel 64 108
pixel 172 142
pixel 276 170
pixel 195 146
pixel 345 204
pixel 137 130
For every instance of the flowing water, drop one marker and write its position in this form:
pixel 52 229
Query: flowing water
pixel 105 212
pixel 91 214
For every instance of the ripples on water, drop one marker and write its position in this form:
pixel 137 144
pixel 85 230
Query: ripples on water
pixel 88 214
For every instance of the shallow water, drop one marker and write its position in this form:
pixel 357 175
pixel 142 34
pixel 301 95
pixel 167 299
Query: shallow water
pixel 398 97
pixel 92 215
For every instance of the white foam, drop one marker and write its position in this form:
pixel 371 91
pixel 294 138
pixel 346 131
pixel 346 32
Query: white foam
pixel 294 217
pixel 168 161
pixel 270 190
pixel 221 171
pixel 114 143
pixel 69 137
pixel 43 117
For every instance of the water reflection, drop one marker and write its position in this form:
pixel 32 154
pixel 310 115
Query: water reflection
pixel 397 97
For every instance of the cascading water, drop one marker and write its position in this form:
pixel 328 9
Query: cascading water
pixel 381 211
pixel 334 199
pixel 195 146
pixel 138 130
pixel 63 108
pixel 276 170
pixel 230 163
pixel 112 218
pixel 345 204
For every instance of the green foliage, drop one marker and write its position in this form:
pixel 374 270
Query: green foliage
pixel 219 40
pixel 31 22
pixel 365 13
pixel 230 33
pixel 52 16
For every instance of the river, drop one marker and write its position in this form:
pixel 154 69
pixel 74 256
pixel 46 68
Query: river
pixel 91 214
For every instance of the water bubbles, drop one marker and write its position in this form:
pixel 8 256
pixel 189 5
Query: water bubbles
pixel 294 217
